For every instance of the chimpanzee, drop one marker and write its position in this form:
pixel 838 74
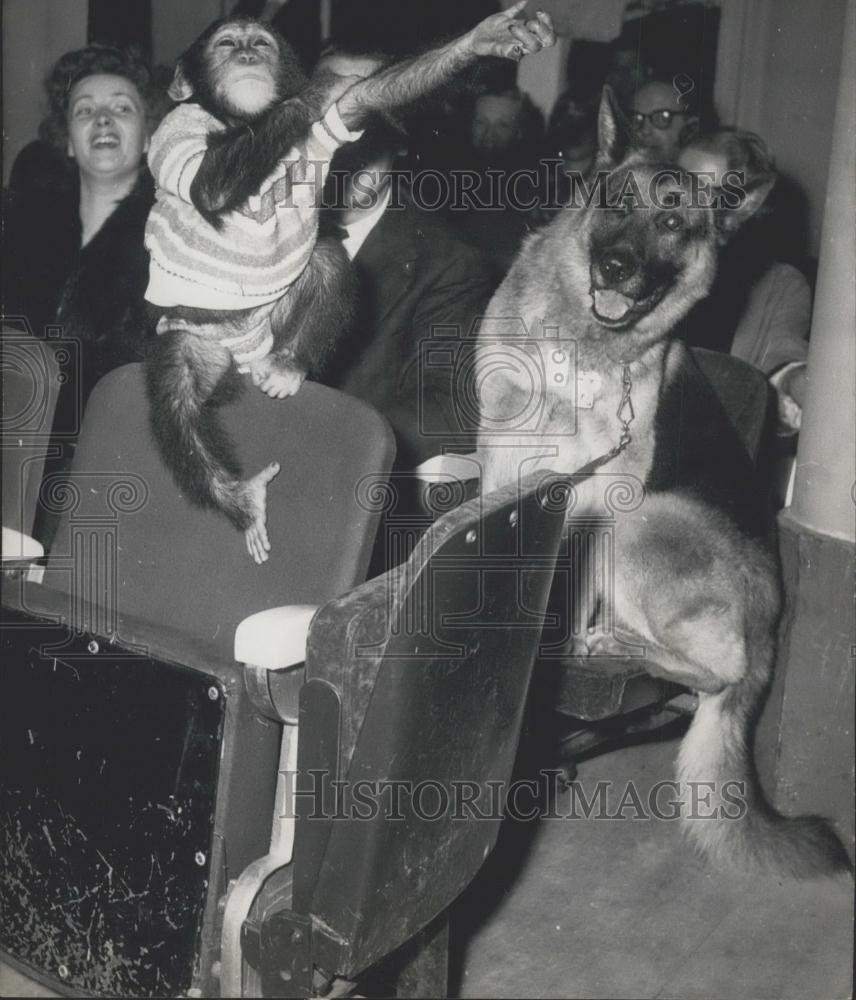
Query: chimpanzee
pixel 238 270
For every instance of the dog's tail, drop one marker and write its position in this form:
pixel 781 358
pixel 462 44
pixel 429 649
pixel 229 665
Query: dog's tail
pixel 725 813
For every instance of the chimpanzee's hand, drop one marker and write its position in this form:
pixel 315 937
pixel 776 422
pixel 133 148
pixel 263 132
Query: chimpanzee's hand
pixel 503 35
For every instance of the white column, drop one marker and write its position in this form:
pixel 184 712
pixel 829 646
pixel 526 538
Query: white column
pixel 825 486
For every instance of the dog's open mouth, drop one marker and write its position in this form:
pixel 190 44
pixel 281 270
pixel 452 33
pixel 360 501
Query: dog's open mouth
pixel 615 309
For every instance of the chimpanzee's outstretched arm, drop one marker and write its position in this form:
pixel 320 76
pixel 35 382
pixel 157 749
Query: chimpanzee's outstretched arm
pixel 498 35
pixel 238 160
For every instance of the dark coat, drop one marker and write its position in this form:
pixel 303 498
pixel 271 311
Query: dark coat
pixel 92 296
pixel 421 288
pixel 93 293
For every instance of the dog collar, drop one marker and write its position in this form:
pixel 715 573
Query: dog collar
pixel 560 372
pixel 588 386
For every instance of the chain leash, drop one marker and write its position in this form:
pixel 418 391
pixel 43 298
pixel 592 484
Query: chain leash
pixel 626 415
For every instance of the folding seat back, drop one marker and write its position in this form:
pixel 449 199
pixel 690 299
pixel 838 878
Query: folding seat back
pixel 415 689
pixel 129 538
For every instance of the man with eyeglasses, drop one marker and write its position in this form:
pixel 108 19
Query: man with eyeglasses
pixel 662 121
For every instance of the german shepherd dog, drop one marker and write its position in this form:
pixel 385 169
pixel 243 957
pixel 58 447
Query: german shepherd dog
pixel 697 582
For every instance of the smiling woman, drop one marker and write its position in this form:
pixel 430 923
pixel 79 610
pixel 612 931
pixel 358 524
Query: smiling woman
pixel 107 139
pixel 63 242
pixel 75 258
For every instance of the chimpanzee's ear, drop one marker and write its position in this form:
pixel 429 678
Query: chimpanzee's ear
pixel 181 89
pixel 613 130
pixel 730 217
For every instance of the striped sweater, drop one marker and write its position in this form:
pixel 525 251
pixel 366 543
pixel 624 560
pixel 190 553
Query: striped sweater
pixel 262 248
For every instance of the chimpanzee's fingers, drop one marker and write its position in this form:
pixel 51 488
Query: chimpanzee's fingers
pixel 269 472
pixel 542 27
pixel 516 8
pixel 257 542
pixel 527 40
pixel 253 545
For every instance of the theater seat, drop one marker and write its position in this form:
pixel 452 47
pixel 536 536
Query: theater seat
pixel 413 696
pixel 138 775
pixel 165 746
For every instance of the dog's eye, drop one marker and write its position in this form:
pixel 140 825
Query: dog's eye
pixel 672 222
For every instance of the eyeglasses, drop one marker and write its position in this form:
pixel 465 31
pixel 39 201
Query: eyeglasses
pixel 660 119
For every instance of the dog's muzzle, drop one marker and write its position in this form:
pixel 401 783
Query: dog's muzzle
pixel 621 292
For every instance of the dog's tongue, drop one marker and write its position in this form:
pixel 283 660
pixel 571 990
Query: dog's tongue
pixel 611 304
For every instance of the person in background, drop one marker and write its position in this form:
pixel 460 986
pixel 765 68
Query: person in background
pixel 503 124
pixel 77 260
pixel 505 136
pixel 571 139
pixel 759 308
pixel 415 277
pixel 662 120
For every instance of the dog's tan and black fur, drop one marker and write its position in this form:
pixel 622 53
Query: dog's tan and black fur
pixel 696 576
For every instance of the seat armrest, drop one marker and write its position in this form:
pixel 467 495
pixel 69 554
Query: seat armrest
pixel 442 468
pixel 22 555
pixel 18 547
pixel 276 638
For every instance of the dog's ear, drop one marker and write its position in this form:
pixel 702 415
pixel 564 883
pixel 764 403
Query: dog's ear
pixel 737 204
pixel 613 130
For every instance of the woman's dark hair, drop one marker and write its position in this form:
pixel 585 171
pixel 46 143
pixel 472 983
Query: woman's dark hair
pixel 76 66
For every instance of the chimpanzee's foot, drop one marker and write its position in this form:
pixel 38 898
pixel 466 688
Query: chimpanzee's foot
pixel 276 376
pixel 255 493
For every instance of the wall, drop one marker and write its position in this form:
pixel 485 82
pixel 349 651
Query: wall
pixel 35 35
pixel 800 91
pixel 176 24
pixel 777 74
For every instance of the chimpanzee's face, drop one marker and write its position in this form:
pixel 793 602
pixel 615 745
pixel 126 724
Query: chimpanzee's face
pixel 243 63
